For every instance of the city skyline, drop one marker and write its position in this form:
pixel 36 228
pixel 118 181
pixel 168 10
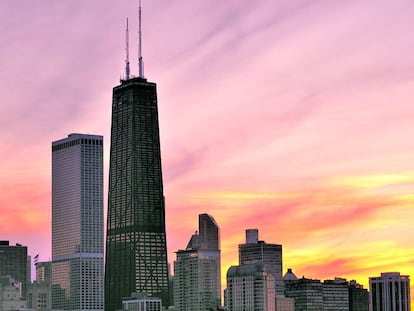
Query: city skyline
pixel 293 118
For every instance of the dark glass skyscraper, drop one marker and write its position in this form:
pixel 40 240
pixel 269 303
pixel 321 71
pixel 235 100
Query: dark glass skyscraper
pixel 136 248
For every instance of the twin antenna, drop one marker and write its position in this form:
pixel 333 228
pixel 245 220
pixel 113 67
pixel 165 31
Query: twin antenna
pixel 140 61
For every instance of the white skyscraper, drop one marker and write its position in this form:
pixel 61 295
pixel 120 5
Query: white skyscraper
pixel 77 223
pixel 390 292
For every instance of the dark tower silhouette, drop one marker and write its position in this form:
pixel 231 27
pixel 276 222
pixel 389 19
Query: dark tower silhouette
pixel 136 247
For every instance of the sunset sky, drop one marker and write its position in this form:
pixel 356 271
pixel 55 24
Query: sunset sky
pixel 291 116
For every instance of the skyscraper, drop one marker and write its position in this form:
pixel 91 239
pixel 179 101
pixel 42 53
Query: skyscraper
pixel 136 246
pixel 197 273
pixel 390 292
pixel 77 223
pixel 259 251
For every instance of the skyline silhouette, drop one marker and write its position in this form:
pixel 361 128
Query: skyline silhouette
pixel 293 118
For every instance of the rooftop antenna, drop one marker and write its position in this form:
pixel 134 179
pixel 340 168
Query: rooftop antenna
pixel 140 62
pixel 127 70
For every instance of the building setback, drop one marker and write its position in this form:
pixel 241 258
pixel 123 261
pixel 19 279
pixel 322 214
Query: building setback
pixel 390 292
pixel 254 251
pixel 77 223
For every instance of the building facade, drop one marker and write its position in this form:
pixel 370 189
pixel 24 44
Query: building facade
pixel 39 296
pixel 250 288
pixel 13 263
pixel 390 292
pixel 136 246
pixel 358 297
pixel 283 303
pixel 335 295
pixel 77 223
pixel 254 251
pixel 195 281
pixel 308 294
pixel 11 298
pixel 138 302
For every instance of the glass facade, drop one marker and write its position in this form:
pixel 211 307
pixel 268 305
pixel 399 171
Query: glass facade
pixel 77 223
pixel 136 253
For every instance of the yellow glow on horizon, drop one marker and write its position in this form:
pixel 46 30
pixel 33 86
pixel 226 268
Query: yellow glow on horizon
pixel 375 180
pixel 242 195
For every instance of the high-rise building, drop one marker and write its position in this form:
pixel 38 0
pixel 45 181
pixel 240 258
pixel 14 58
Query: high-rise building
pixel 195 280
pixel 197 272
pixel 13 263
pixel 390 292
pixel 250 287
pixel 136 246
pixel 77 223
pixel 259 251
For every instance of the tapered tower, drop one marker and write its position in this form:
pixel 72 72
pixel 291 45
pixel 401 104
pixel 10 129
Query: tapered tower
pixel 136 247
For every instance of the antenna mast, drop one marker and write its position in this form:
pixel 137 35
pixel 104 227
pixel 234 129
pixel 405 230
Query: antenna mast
pixel 127 70
pixel 140 62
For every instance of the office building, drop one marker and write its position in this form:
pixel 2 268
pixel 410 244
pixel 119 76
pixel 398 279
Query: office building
pixel 330 295
pixel 197 273
pixel 259 251
pixel 308 294
pixel 13 263
pixel 77 223
pixel 139 302
pixel 358 297
pixel 136 245
pixel 195 281
pixel 390 292
pixel 43 272
pixel 250 288
pixel 335 295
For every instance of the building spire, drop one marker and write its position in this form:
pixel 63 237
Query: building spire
pixel 140 62
pixel 127 70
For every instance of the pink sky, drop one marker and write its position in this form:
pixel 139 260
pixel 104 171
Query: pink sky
pixel 293 117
